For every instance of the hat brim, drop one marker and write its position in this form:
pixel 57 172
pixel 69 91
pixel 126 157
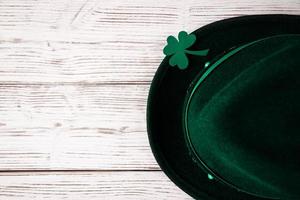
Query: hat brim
pixel 168 91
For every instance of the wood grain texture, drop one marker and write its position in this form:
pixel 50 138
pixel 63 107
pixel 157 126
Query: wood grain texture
pixel 104 41
pixel 85 185
pixel 74 127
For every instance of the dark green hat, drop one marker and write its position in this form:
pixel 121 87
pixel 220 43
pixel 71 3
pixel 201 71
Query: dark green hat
pixel 223 111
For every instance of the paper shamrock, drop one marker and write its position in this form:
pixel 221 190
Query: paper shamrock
pixel 177 49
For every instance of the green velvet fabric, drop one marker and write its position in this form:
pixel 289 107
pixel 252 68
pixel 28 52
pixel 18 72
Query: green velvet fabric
pixel 243 119
pixel 166 103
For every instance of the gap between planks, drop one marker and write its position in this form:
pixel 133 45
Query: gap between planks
pixel 80 83
pixel 78 170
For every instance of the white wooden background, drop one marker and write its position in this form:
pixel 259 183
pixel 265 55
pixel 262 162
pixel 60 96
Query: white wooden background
pixel 74 78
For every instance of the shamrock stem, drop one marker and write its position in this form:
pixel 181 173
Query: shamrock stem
pixel 197 53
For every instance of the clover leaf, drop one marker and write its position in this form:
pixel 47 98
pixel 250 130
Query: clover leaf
pixel 177 49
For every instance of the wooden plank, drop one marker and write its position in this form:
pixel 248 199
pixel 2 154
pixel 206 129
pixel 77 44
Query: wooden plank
pixel 88 185
pixel 92 41
pixel 56 62
pixel 59 127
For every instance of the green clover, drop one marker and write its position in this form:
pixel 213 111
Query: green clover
pixel 177 49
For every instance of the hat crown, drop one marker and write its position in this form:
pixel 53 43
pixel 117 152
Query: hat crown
pixel 242 124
